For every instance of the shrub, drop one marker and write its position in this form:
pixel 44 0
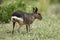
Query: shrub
pixel 6 9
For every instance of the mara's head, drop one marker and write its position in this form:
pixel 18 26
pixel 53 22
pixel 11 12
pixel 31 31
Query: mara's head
pixel 36 14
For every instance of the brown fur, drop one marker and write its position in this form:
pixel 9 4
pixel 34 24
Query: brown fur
pixel 28 18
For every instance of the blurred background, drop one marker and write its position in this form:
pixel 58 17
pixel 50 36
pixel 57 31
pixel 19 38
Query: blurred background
pixel 8 6
pixel 46 29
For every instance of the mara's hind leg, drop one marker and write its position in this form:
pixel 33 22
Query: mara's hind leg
pixel 19 28
pixel 20 24
pixel 13 27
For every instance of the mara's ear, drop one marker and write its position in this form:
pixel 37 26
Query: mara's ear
pixel 35 9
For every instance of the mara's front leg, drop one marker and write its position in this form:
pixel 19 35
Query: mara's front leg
pixel 28 28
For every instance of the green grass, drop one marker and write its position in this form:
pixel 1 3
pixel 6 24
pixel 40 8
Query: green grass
pixel 46 29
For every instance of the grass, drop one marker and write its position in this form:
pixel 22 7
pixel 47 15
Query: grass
pixel 46 29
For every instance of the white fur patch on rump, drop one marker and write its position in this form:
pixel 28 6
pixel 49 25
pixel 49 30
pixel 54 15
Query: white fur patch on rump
pixel 17 18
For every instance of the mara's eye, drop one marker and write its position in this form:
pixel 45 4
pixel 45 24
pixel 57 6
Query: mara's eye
pixel 38 14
